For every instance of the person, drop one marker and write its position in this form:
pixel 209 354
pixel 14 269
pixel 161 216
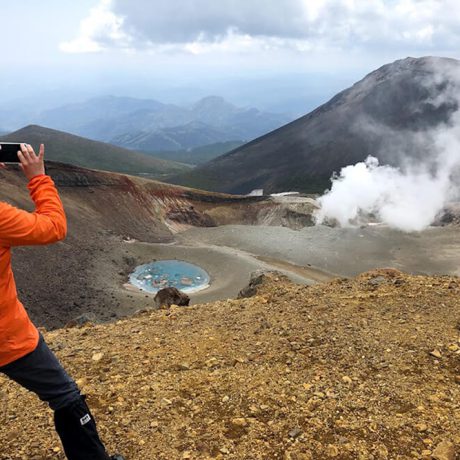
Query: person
pixel 24 354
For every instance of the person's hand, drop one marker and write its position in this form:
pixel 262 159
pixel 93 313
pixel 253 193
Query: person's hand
pixel 2 166
pixel 31 164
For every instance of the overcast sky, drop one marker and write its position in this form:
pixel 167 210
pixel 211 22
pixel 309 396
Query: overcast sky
pixel 246 49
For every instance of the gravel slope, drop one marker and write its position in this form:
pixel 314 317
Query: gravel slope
pixel 367 368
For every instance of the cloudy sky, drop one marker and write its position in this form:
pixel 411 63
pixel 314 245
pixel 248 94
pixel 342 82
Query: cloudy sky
pixel 280 54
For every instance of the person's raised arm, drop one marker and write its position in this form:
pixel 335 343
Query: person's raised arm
pixel 47 224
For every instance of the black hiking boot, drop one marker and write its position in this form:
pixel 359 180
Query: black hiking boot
pixel 117 457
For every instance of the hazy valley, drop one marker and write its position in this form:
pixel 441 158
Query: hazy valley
pixel 151 126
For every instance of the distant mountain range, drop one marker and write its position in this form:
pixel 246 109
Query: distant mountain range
pixel 151 126
pixel 374 116
pixel 68 148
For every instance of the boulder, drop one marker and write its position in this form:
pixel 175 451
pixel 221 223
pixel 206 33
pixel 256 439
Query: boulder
pixel 171 296
pixel 257 279
pixel 81 320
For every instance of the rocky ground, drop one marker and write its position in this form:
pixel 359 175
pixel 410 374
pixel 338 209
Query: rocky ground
pixel 450 215
pixel 365 368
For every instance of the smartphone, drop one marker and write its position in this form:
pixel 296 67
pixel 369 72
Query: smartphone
pixel 9 152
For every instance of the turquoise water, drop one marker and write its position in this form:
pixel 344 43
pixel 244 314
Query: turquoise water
pixel 169 273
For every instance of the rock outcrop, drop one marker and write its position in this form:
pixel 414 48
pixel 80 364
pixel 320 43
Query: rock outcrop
pixel 257 279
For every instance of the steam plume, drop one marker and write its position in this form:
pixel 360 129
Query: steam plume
pixel 408 197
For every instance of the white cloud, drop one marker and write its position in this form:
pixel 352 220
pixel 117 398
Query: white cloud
pixel 102 29
pixel 201 26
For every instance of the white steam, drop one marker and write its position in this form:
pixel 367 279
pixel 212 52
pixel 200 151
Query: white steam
pixel 408 197
pixel 411 196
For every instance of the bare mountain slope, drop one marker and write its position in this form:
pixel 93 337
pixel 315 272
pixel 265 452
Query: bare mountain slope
pixel 407 95
pixel 367 368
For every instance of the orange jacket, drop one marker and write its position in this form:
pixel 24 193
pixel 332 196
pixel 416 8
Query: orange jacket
pixel 47 224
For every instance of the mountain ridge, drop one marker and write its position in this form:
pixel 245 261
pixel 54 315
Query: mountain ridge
pixel 303 154
pixel 69 148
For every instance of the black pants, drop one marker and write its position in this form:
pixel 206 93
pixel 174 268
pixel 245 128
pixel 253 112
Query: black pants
pixel 41 373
